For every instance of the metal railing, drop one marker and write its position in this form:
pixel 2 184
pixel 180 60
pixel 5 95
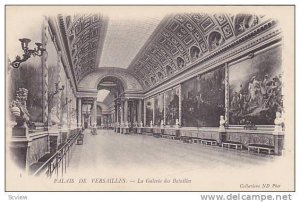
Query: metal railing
pixel 58 162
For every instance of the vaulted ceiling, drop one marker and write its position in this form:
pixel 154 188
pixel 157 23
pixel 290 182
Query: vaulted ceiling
pixel 152 49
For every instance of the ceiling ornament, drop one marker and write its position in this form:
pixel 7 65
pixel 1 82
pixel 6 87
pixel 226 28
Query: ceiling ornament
pixel 85 35
pixel 183 39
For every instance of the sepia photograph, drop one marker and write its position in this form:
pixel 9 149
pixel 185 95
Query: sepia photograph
pixel 149 98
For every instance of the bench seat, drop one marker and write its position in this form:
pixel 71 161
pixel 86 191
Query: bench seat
pixel 208 141
pixel 232 143
pixel 261 147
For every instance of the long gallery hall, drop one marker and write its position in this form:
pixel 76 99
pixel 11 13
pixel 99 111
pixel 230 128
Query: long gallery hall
pixel 167 94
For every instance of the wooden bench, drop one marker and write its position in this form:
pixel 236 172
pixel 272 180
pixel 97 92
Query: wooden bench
pixel 79 141
pixel 167 136
pixel 260 147
pixel 209 142
pixel 185 139
pixel 231 143
pixel 164 136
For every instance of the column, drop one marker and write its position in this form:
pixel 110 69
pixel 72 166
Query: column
pixel 122 113
pixel 144 113
pixel 125 111
pixel 79 112
pixel 226 93
pixel 117 113
pixel 134 113
pixel 95 113
pixel 139 112
pixel 44 60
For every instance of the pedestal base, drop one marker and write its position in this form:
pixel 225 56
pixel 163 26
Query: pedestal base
pixel 19 146
pixel 125 130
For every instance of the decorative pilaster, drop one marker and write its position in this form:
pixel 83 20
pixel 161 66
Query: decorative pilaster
pixel 68 104
pixel 122 112
pixel 117 113
pixel 95 113
pixel 139 113
pixel 153 113
pixel 133 111
pixel 44 59
pixel 59 111
pixel 164 104
pixel 79 112
pixel 179 105
pixel 226 82
pixel 144 112
pixel 125 111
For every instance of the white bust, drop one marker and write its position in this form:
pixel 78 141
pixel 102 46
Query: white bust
pixel 222 122
pixel 278 122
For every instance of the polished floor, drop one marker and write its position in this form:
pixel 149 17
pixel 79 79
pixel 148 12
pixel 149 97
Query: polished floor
pixel 108 151
pixel 108 159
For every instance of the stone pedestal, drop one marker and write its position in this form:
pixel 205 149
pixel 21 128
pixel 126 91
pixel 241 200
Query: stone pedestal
pixel 54 140
pixel 125 130
pixel 278 142
pixel 19 146
pixel 222 135
pixel 64 134
pixel 139 130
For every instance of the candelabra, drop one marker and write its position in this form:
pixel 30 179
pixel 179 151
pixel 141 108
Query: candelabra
pixel 27 52
pixel 57 89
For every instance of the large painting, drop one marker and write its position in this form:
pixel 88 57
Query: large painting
pixel 203 99
pixel 172 106
pixel 149 111
pixel 158 109
pixel 255 89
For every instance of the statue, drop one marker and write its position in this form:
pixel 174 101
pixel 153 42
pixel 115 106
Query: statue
pixel 18 107
pixel 177 124
pixel 162 123
pixel 126 124
pixel 141 124
pixel 222 122
pixel 278 122
pixel 151 123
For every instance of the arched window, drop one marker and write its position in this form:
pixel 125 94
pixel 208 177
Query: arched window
pixel 153 80
pixel 195 53
pixel 215 40
pixel 160 75
pixel 242 22
pixel 169 70
pixel 180 62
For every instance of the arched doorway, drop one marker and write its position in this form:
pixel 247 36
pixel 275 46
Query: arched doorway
pixel 110 89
